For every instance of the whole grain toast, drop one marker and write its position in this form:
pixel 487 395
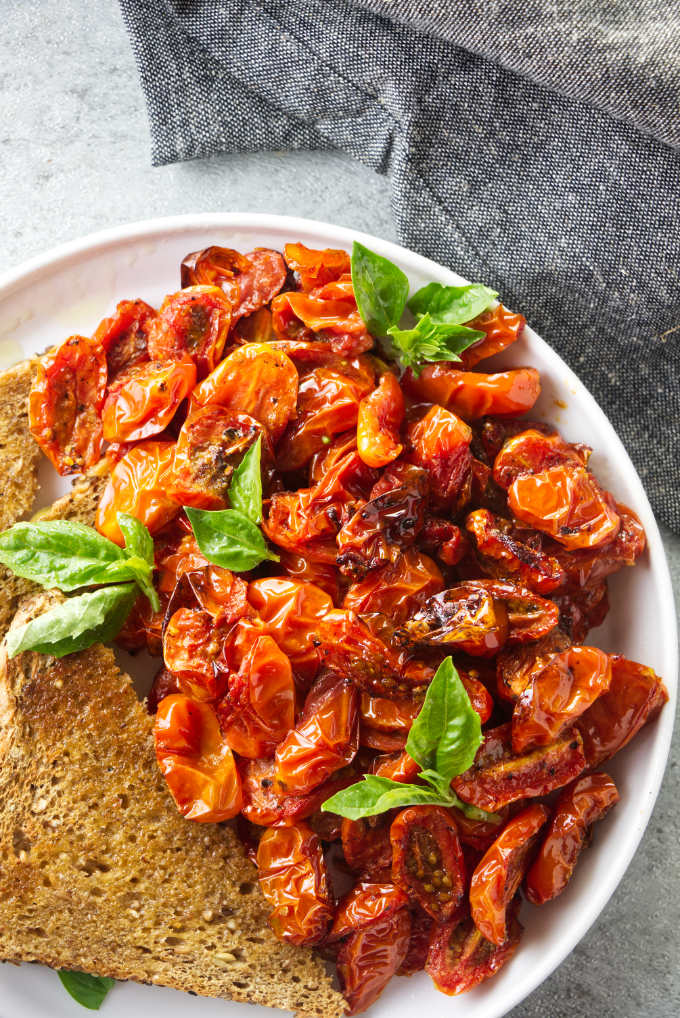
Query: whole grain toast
pixel 98 870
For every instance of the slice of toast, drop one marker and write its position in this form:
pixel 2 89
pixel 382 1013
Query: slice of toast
pixel 98 870
pixel 19 453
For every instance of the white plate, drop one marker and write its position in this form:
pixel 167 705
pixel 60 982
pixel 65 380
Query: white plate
pixel 70 289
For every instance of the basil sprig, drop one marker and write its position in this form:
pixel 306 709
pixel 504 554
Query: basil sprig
pixel 87 990
pixel 443 741
pixel 69 556
pixel 232 537
pixel 381 292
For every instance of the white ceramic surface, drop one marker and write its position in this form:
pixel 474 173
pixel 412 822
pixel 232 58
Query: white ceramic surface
pixel 70 289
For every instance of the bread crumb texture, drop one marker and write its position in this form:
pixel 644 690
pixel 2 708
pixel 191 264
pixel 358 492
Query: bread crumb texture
pixel 98 870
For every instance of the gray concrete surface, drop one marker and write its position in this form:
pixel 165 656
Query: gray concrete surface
pixel 74 158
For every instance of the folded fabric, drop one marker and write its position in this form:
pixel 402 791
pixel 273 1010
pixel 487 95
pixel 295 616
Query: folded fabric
pixel 527 147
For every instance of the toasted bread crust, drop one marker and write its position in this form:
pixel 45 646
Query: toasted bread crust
pixel 98 870
pixel 19 453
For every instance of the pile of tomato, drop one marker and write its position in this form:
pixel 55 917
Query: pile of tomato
pixel 416 515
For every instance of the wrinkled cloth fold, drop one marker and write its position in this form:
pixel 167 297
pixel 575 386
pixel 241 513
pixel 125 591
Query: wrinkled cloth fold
pixel 528 147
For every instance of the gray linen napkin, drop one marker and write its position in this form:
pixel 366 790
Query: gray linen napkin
pixel 532 146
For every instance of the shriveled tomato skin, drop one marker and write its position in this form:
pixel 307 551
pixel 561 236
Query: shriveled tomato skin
pixel 533 451
pixel 460 958
pixel 508 552
pixel 502 328
pixel 567 685
pixel 427 860
pixel 314 267
pixel 196 761
pixel 467 617
pixel 65 404
pixel 516 666
pixel 397 766
pixel 193 322
pixel 366 903
pixel 256 380
pixel 124 335
pixel 191 645
pixel 291 611
pixel 635 696
pixel 367 848
pixel 498 777
pixel 327 313
pixel 138 485
pixel 471 394
pixel 440 443
pixel 368 959
pixel 379 419
pixel 497 877
pixel 248 281
pixel 586 568
pixel 293 880
pixel 396 589
pixel 579 806
pixel 142 400
pixel 567 503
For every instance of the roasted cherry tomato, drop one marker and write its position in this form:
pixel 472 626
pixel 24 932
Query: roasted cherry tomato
pixel 143 399
pixel 460 958
pixel 588 567
pixel 191 646
pixel 516 666
pixel 567 685
pixel 421 931
pixel 440 443
pixel 125 335
pixel 196 761
pixel 265 807
pixel 443 539
pixel 215 590
pixel 249 281
pixel 368 959
pixel 253 380
pixel 259 708
pixel 303 569
pixel 471 394
pixel 635 696
pixel 578 807
pixel 397 589
pixel 210 445
pixel 479 834
pixel 143 628
pixel 567 503
pixel 533 451
pixel 291 611
pixel 329 397
pixel 365 904
pixel 498 777
pixel 328 312
pixel 467 616
pixel 480 698
pixel 582 609
pixel 164 684
pixel 294 882
pixel 176 552
pixel 397 766
pixel 366 847
pixel 193 322
pixel 501 328
pixel 139 485
pixel 427 860
pixel 325 738
pixel 380 417
pixel 508 551
pixel 316 267
pixel 499 874
pixel 387 715
pixel 65 404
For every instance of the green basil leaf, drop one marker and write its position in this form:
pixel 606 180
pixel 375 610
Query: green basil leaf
pixel 75 623
pixel 447 732
pixel 229 539
pixel 376 795
pixel 86 989
pixel 380 289
pixel 63 554
pixel 138 540
pixel 245 490
pixel 431 341
pixel 452 304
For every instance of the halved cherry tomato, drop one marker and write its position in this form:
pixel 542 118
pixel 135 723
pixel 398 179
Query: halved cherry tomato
pixel 304 569
pixel 143 399
pixel 479 834
pixel 256 380
pixel 397 766
pixel 471 394
pixel 440 444
pixel 588 567
pixel 265 807
pixel 191 646
pixel 635 696
pixel 249 281
pixel 533 451
pixel 427 860
pixel 125 335
pixel 316 267
pixel 196 761
pixel 502 328
pixel 498 777
pixel 507 551
pixel 499 874
pixel 139 485
pixel 259 708
pixel 467 616
pixel 193 322
pixel 210 445
pixel 293 880
pixel 397 589
pixel 65 404
pixel 364 904
pixel 460 958
pixel 291 611
pixel 366 847
pixel 368 959
pixel 578 807
pixel 444 539
pixel 516 666
pixel 215 590
pixel 387 715
pixel 567 503
pixel 378 423
pixel 567 685
pixel 325 738
pixel 329 312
